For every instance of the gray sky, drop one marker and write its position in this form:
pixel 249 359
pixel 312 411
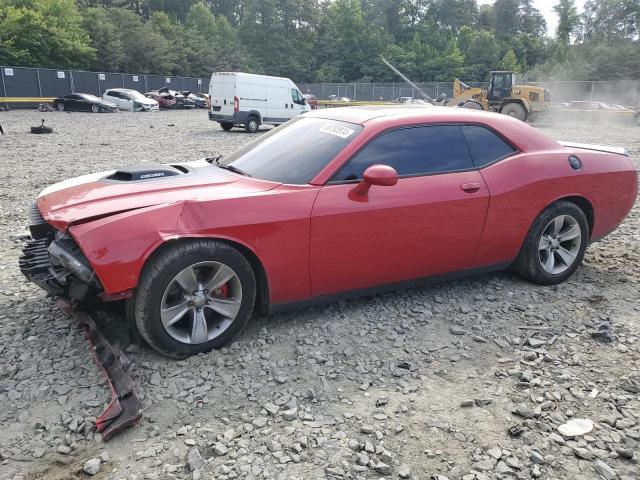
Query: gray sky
pixel 546 8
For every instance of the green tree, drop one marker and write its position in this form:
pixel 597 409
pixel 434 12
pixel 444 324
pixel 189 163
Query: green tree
pixel 507 15
pixel 510 61
pixel 611 20
pixel 45 33
pixel 532 21
pixel 453 14
pixel 568 20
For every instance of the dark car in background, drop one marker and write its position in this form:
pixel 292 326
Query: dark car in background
pixel 83 102
pixel 199 100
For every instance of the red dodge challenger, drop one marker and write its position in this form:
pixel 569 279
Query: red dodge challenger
pixel 335 203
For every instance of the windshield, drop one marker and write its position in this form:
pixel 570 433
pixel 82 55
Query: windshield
pixel 294 152
pixel 93 98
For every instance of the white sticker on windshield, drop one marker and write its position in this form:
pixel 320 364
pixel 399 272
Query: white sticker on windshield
pixel 337 130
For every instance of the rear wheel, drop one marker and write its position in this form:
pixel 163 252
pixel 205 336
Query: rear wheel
pixel 60 107
pixel 555 244
pixel 515 110
pixel 226 126
pixel 193 297
pixel 252 125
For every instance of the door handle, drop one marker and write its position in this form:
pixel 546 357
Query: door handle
pixel 470 187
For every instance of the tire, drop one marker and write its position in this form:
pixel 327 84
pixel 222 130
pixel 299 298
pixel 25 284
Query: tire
pixel 159 291
pixel 515 110
pixel 540 250
pixel 472 105
pixel 60 107
pixel 252 125
pixel 95 108
pixel 226 126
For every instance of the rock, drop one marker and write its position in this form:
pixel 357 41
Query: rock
pixel 467 403
pixel 155 379
pixel 383 468
pixel 290 414
pixel 63 449
pixel 604 470
pixel 92 466
pixel 404 471
pixel 194 459
pixel 271 409
pixel 503 468
pixel 259 422
pixel 219 449
pixel 537 458
pixel 495 452
pixel 456 330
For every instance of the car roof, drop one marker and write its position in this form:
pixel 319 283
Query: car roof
pixel 524 136
pixel 121 90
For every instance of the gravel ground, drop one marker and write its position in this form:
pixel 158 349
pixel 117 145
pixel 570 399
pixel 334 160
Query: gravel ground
pixel 417 384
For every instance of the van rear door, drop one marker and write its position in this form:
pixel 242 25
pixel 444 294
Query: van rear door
pixel 222 89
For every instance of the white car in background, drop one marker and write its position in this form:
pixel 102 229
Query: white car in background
pixel 128 99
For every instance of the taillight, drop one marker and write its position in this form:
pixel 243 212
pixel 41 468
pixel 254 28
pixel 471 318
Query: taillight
pixel 236 104
pixel 209 103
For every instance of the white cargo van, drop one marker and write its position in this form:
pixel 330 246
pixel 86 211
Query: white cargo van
pixel 251 100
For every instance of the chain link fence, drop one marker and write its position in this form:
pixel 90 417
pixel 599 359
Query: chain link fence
pixel 622 92
pixel 23 82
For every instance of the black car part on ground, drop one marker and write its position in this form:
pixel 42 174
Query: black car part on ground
pixel 125 408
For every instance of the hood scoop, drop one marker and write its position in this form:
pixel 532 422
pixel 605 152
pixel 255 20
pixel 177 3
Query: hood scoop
pixel 146 172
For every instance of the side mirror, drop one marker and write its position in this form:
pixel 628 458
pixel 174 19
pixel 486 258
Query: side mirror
pixel 381 175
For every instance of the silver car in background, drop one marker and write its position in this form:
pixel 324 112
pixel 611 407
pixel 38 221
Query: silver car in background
pixel 132 100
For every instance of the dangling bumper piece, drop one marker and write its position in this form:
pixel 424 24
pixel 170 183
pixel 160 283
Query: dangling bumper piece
pixel 125 408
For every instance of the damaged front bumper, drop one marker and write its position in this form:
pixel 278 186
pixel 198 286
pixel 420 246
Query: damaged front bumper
pixel 52 260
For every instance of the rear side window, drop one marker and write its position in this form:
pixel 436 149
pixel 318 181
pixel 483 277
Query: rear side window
pixel 412 151
pixel 486 147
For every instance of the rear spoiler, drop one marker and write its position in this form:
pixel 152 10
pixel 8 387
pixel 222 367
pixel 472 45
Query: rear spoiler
pixel 597 148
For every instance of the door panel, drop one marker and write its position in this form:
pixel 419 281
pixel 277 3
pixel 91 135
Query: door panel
pixel 422 226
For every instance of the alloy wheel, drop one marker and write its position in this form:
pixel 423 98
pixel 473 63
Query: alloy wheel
pixel 201 302
pixel 559 244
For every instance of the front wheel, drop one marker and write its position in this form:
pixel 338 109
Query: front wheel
pixel 194 297
pixel 555 244
pixel 95 108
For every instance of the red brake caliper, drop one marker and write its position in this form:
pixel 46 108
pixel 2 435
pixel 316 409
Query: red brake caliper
pixel 223 291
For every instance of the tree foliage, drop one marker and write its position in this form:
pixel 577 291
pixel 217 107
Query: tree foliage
pixel 324 41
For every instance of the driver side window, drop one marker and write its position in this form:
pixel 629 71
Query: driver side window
pixel 412 151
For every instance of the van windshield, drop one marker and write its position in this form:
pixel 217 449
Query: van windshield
pixel 293 152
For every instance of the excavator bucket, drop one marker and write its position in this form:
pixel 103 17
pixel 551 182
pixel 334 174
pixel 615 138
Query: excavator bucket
pixel 125 408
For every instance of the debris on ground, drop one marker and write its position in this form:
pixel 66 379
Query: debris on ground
pixel 40 129
pixel 576 427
